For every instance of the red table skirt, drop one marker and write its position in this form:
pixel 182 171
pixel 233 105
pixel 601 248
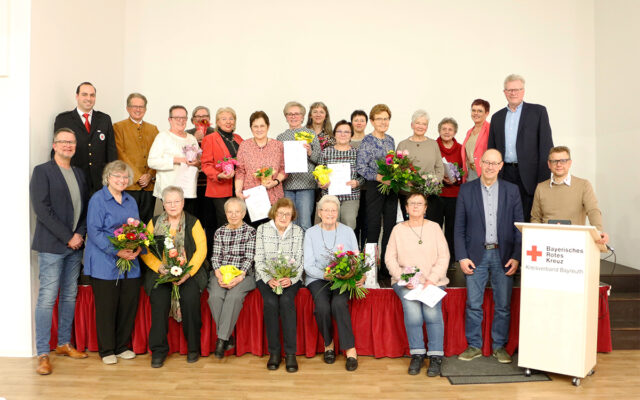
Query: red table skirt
pixel 378 325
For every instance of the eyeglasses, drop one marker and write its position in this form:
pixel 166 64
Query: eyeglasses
pixel 137 107
pixel 179 118
pixel 416 204
pixel 345 132
pixel 561 161
pixel 289 115
pixel 201 116
pixel 283 214
pixel 173 203
pixel 122 177
pixel 381 119
pixel 233 212
pixel 491 163
pixel 69 142
pixel 513 91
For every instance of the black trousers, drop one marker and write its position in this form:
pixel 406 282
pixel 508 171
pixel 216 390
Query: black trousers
pixel 146 203
pixel 361 220
pixel 160 299
pixel 280 308
pixel 510 173
pixel 116 305
pixel 449 213
pixel 387 207
pixel 330 303
pixel 218 208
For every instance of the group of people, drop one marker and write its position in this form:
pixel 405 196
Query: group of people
pixel 101 175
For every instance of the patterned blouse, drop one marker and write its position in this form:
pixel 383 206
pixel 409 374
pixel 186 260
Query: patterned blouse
pixel 234 246
pixel 332 156
pixel 252 157
pixel 302 180
pixel 372 149
pixel 269 244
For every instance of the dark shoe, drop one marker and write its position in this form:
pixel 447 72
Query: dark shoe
pixel 44 365
pixel 193 356
pixel 435 362
pixel 416 364
pixel 69 350
pixel 157 361
pixel 220 345
pixel 330 356
pixel 291 362
pixel 230 344
pixel 352 364
pixel 274 362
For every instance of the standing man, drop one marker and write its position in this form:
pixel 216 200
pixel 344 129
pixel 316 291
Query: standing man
pixel 488 245
pixel 96 146
pixel 134 138
pixel 521 132
pixel 201 117
pixel 59 197
pixel 566 197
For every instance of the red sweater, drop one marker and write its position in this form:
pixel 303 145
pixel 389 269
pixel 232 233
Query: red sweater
pixel 453 155
pixel 213 150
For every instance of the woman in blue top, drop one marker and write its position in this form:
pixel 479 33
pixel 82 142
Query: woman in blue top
pixel 116 294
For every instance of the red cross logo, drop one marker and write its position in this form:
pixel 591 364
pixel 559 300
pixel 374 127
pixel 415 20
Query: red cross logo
pixel 534 253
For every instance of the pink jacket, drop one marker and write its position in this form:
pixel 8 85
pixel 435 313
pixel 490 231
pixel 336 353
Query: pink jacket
pixel 481 147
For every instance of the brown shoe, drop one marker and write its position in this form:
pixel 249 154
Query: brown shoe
pixel 69 350
pixel 44 365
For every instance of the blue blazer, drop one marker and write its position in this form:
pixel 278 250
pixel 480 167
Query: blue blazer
pixel 470 228
pixel 51 201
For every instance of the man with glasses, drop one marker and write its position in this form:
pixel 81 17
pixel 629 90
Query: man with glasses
pixel 521 132
pixel 198 116
pixel 488 246
pixel 134 138
pixel 564 197
pixel 96 145
pixel 59 197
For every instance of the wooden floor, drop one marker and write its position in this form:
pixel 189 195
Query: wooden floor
pixel 617 377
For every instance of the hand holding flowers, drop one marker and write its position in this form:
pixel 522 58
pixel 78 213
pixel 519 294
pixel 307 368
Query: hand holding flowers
pixel 265 174
pixel 191 152
pixel 397 172
pixel 321 173
pixel 128 239
pixel 281 270
pixel 173 270
pixel 346 271
pixel 227 165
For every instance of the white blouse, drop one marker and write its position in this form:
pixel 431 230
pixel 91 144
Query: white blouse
pixel 165 147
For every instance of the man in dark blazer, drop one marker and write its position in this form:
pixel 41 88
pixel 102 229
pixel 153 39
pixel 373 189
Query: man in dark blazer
pixel 488 245
pixel 59 197
pixel 522 133
pixel 94 133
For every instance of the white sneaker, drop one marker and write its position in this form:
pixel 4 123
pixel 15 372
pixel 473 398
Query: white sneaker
pixel 110 360
pixel 127 355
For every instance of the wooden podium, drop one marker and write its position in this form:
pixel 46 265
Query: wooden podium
pixel 559 299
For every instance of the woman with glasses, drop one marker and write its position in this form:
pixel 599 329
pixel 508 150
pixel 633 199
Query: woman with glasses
pixel 475 143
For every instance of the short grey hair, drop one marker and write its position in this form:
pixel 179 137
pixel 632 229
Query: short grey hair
pixel 116 166
pixel 451 121
pixel 60 130
pixel 195 110
pixel 294 104
pixel 172 189
pixel 327 198
pixel 236 200
pixel 420 114
pixel 136 96
pixel 513 77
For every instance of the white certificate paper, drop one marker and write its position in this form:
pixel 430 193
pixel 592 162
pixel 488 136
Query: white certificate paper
pixel 295 156
pixel 429 296
pixel 257 203
pixel 186 176
pixel 339 176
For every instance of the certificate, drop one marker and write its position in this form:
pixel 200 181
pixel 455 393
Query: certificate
pixel 186 176
pixel 430 295
pixel 339 176
pixel 295 156
pixel 257 203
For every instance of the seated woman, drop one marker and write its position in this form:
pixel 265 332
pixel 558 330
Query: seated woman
pixel 420 243
pixel 280 237
pixel 233 244
pixel 190 242
pixel 320 242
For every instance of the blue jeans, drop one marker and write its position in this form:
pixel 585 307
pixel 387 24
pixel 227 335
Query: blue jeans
pixel 57 272
pixel 501 285
pixel 417 313
pixel 303 199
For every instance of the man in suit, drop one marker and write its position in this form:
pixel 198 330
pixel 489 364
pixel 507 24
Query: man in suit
pixel 488 245
pixel 96 146
pixel 59 197
pixel 521 132
pixel 134 138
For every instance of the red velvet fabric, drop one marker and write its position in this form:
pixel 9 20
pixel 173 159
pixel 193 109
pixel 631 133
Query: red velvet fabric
pixel 378 325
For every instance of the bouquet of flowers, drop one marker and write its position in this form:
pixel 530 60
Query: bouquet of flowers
pixel 429 185
pixel 265 174
pixel 345 270
pixel 304 135
pixel 279 268
pixel 398 169
pixel 227 165
pixel 175 261
pixel 321 173
pixel 324 141
pixel 452 170
pixel 411 276
pixel 130 236
pixel 191 152
pixel 203 125
pixel 229 272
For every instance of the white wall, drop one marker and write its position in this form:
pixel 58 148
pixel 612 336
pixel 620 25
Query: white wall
pixel 617 64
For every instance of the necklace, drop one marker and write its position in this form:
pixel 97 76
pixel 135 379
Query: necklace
pixel 231 142
pixel 335 236
pixel 415 233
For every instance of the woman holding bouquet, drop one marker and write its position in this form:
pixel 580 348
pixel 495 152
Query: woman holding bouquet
pixel 418 244
pixel 233 244
pixel 260 152
pixel 115 292
pixel 450 150
pixel 475 143
pixel 320 242
pixel 280 241
pixel 319 120
pixel 190 242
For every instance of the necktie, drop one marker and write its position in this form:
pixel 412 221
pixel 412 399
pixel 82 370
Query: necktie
pixel 86 122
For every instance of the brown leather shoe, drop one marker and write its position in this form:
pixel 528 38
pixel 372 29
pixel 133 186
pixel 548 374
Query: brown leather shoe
pixel 44 365
pixel 69 350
